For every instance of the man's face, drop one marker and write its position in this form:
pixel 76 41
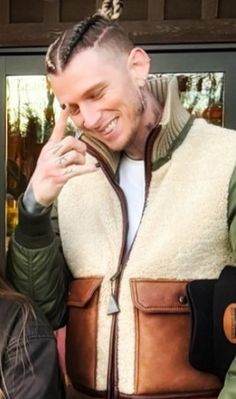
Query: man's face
pixel 103 96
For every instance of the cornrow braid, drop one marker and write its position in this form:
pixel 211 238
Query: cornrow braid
pixel 78 34
pixel 96 30
pixel 50 65
pixel 61 50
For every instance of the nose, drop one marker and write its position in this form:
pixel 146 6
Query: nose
pixel 90 115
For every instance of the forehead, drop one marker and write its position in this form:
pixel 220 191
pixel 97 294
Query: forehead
pixel 86 70
pixel 91 58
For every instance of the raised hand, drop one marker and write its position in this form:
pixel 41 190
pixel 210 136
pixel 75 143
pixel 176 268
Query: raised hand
pixel 60 159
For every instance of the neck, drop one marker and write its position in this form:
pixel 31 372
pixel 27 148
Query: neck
pixel 150 120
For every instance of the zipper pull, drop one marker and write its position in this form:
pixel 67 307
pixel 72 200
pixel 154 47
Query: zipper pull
pixel 113 306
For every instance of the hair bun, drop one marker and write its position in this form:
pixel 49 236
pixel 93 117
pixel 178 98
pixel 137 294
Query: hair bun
pixel 111 9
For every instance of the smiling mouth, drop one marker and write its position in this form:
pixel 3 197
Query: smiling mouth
pixel 111 126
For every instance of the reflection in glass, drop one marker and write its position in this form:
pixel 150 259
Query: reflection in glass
pixel 31 110
pixel 29 119
pixel 202 94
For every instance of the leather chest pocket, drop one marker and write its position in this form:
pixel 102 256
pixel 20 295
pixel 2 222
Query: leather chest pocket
pixel 163 327
pixel 81 331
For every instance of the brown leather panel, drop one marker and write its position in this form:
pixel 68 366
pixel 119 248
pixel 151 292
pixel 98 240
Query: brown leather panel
pixel 162 341
pixel 229 322
pixel 182 395
pixel 192 395
pixel 81 332
pixel 156 297
pixel 82 289
pixel 73 394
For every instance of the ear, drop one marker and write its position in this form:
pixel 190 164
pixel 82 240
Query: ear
pixel 139 65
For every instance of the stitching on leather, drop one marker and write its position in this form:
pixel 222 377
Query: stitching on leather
pixel 89 293
pixel 179 308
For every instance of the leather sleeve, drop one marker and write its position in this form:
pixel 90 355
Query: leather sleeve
pixel 36 265
pixel 30 367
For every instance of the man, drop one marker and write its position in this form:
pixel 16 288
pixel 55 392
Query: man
pixel 139 209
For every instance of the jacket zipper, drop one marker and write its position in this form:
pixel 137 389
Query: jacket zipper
pixel 112 377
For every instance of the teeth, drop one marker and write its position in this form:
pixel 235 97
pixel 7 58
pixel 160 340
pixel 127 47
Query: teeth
pixel 111 126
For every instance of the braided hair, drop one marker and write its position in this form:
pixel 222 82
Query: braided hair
pixel 98 30
pixel 112 8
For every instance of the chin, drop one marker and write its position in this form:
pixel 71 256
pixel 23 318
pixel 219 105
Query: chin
pixel 117 145
pixel 114 148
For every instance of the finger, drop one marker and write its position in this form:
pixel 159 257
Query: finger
pixel 65 145
pixel 71 157
pixel 60 126
pixel 71 143
pixel 77 170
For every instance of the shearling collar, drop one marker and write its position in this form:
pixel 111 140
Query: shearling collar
pixel 174 119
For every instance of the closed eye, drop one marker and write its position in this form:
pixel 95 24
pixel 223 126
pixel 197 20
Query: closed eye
pixel 97 94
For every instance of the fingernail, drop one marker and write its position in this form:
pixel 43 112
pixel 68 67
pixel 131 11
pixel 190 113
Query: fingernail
pixel 97 164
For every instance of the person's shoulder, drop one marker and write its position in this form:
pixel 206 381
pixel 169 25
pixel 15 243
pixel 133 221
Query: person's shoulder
pixel 216 135
pixel 202 124
pixel 15 315
pixel 38 326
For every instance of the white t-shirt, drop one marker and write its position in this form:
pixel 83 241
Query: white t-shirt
pixel 132 182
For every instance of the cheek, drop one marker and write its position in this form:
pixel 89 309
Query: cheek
pixel 77 120
pixel 134 109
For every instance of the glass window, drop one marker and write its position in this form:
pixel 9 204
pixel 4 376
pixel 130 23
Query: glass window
pixel 202 94
pixel 31 110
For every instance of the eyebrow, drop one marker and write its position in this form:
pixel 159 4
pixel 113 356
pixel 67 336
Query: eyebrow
pixel 91 90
